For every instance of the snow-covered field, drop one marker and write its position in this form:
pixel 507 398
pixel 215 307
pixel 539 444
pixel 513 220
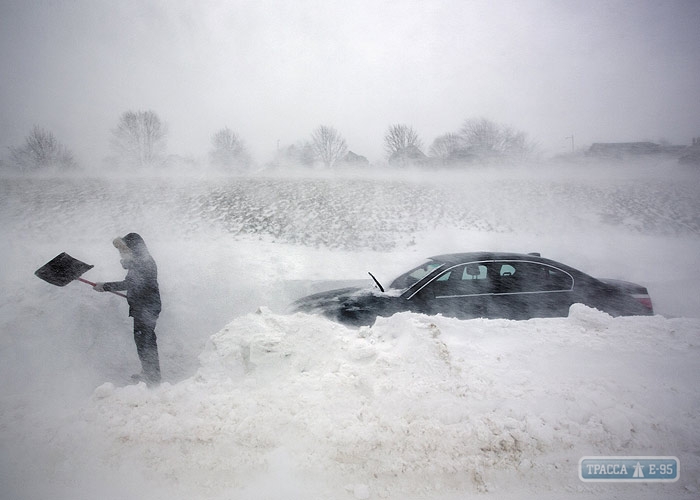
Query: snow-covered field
pixel 260 403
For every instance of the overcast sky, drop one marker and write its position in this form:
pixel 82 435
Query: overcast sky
pixel 273 71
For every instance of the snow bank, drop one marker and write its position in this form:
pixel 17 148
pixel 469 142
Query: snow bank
pixel 414 407
pixel 276 406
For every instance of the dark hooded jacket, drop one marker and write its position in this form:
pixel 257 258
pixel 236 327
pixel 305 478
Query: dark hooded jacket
pixel 141 281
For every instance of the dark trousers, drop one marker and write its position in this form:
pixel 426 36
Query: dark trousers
pixel 147 347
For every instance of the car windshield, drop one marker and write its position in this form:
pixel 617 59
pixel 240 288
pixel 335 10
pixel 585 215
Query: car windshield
pixel 414 275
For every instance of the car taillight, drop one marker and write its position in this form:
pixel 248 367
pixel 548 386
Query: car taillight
pixel 645 300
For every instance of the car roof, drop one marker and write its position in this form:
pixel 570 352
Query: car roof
pixel 461 258
pixel 458 258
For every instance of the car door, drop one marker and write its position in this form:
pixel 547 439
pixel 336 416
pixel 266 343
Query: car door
pixel 530 289
pixel 459 291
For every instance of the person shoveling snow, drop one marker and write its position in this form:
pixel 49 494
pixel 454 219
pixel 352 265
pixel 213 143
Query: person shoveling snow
pixel 143 296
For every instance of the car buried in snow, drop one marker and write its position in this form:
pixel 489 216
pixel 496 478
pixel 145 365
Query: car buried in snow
pixel 481 285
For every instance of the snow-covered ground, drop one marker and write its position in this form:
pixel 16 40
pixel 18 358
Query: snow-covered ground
pixel 259 403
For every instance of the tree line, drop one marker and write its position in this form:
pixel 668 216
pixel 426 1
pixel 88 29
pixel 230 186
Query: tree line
pixel 139 141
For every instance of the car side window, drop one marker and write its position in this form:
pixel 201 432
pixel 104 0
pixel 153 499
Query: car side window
pixel 475 272
pixel 465 279
pixel 506 270
pixel 556 279
pixel 518 276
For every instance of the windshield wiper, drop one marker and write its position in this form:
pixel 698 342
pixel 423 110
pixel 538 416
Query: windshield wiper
pixel 381 288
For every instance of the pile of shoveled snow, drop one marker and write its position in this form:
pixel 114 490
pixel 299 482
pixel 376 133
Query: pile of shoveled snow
pixel 299 407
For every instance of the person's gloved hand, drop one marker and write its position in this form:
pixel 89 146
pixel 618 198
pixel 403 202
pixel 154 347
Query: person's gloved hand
pixel 99 287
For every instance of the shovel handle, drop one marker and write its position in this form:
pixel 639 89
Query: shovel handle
pixel 93 284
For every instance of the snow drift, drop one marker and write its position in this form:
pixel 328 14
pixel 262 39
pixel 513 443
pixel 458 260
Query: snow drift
pixel 414 407
pixel 263 404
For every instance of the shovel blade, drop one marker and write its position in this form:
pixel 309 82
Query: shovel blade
pixel 62 269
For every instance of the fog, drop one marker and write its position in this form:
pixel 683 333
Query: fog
pixel 600 71
pixel 258 402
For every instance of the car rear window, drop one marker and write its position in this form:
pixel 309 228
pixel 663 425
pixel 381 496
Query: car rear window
pixel 522 276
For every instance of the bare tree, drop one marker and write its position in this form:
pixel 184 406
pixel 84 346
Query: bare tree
pixel 299 154
pixel 487 139
pixel 516 144
pixel 41 150
pixel 228 150
pixel 446 147
pixel 328 145
pixel 481 136
pixel 140 138
pixel 400 138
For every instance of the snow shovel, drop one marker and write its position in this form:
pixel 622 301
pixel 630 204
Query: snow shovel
pixel 63 269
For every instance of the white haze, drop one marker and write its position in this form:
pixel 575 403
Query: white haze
pixel 258 403
pixel 601 70
pixel 261 404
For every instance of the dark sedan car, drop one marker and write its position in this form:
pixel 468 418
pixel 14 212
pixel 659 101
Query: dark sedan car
pixel 486 285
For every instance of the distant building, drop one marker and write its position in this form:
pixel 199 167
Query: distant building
pixel 408 156
pixel 354 160
pixel 621 150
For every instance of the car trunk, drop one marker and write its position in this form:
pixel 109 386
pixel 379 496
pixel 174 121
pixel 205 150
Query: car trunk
pixel 639 292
